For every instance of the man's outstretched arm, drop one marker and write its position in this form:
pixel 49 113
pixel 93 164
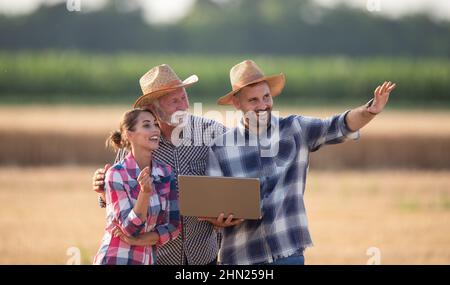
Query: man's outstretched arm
pixel 361 116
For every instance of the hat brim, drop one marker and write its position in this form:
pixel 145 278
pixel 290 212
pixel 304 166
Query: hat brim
pixel 148 98
pixel 276 84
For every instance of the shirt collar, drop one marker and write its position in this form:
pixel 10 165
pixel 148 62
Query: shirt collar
pixel 133 168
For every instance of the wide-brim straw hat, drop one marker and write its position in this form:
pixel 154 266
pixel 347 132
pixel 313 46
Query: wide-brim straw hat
pixel 247 73
pixel 159 81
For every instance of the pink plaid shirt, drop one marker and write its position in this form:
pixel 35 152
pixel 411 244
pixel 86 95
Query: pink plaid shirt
pixel 122 190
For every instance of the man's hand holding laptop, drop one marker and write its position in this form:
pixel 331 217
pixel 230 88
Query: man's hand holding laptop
pixel 221 222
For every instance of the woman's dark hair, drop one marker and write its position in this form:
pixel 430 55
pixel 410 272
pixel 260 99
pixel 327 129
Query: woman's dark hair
pixel 116 139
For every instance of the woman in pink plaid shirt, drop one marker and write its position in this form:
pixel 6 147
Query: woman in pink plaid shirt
pixel 142 205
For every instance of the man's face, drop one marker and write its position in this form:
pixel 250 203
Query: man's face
pixel 172 107
pixel 174 101
pixel 255 100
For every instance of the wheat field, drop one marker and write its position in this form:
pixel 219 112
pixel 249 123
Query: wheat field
pixel 403 213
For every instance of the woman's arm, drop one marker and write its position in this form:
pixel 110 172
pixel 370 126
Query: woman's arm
pixel 131 219
pixel 163 232
pixel 143 200
pixel 145 239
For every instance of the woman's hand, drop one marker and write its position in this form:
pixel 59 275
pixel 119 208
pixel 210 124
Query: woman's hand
pixel 150 238
pixel 145 180
pixel 117 232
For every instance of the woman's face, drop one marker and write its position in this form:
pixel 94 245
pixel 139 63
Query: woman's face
pixel 146 132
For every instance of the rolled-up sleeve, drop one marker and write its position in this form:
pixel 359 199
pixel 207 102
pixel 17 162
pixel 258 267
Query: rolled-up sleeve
pixel 170 231
pixel 121 205
pixel 332 130
pixel 346 131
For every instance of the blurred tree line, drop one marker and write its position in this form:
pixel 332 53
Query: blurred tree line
pixel 290 27
pixel 74 77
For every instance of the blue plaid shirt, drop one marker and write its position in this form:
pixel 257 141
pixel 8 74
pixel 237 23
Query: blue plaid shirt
pixel 280 159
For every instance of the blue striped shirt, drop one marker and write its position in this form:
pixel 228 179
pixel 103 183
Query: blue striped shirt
pixel 280 159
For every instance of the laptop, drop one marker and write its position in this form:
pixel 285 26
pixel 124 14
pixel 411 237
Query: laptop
pixel 209 196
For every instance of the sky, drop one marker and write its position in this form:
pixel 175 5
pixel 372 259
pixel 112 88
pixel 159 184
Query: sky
pixel 168 11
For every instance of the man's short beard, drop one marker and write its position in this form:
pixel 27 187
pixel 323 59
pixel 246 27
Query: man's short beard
pixel 175 120
pixel 178 119
pixel 253 120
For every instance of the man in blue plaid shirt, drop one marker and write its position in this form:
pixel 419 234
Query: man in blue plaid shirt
pixel 275 150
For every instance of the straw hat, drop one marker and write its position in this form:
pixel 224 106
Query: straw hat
pixel 247 73
pixel 159 81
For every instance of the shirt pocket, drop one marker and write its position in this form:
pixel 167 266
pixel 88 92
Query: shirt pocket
pixel 155 205
pixel 163 202
pixel 197 167
pixel 163 215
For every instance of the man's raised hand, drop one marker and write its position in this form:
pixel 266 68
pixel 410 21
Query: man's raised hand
pixel 381 97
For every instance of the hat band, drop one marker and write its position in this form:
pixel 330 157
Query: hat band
pixel 247 81
pixel 168 85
